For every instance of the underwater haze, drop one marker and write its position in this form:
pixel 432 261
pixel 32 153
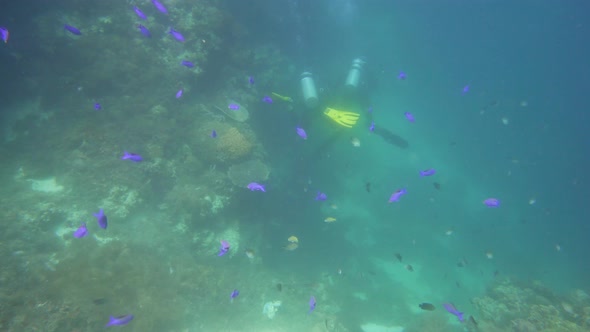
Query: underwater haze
pixel 283 165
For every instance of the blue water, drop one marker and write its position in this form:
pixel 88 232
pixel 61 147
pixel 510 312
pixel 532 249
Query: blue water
pixel 519 134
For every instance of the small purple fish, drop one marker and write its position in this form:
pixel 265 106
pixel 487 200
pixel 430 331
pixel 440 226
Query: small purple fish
pixel 465 89
pixel 144 31
pixel 428 172
pixel 233 295
pixel 396 195
pixel 451 308
pixel 213 133
pixel 233 107
pixel 139 13
pixel 251 80
pixel 492 202
pixel 187 63
pixel 177 35
pixel 321 196
pixel 301 132
pixel 402 76
pixel 131 156
pixel 73 29
pixel 101 218
pixel 179 93
pixel 370 110
pixel 267 99
pixel 311 304
pixel 81 231
pixel 4 34
pixel 409 116
pixel 160 6
pixel 97 107
pixel 224 248
pixel 372 126
pixel 120 320
pixel 253 186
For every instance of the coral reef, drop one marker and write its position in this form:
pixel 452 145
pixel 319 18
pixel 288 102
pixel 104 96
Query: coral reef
pixel 519 307
pixel 231 145
pixel 249 171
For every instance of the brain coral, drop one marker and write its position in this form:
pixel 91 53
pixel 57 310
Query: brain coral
pixel 232 144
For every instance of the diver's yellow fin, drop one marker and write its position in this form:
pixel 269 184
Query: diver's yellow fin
pixel 345 119
pixel 281 97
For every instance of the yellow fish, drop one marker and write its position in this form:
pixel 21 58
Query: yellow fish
pixel 293 239
pixel 330 219
pixel 283 98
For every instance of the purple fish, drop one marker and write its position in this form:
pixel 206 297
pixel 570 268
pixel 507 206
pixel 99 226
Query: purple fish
pixel 233 295
pixel 451 308
pixel 120 320
pixel 233 107
pixel 97 107
pixel 131 156
pixel 179 93
pixel 187 63
pixel 144 31
pixel 251 80
pixel 311 304
pixel 396 195
pixel 177 35
pixel 372 126
pixel 4 34
pixel 81 231
pixel 402 76
pixel 160 6
pixel 321 196
pixel 428 172
pixel 301 132
pixel 492 202
pixel 101 218
pixel 73 29
pixel 213 133
pixel 409 116
pixel 139 13
pixel 267 99
pixel 224 248
pixel 253 186
pixel 465 89
pixel 370 110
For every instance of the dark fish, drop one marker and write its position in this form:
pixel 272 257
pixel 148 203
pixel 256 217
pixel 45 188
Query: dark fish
pixel 427 306
pixel 436 185
pixel 472 321
pixel 280 287
pixel 368 187
pixel 73 29
pixel 457 284
pixel 409 268
pixel 100 301
pixel 398 256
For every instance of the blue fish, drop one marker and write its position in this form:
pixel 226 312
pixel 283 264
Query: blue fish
pixel 370 109
pixel 224 248
pixel 131 156
pixel 396 195
pixel 177 35
pixel 81 231
pixel 320 196
pixel 311 304
pixel 428 172
pixel 492 202
pixel 233 107
pixel 301 132
pixel 409 116
pixel 139 13
pixel 4 34
pixel 101 218
pixel 144 31
pixel 160 6
pixel 120 320
pixel 402 76
pixel 179 93
pixel 372 126
pixel 233 295
pixel 251 80
pixel 267 99
pixel 253 186
pixel 73 29
pixel 451 309
pixel 97 106
pixel 465 89
pixel 187 63
pixel 213 133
